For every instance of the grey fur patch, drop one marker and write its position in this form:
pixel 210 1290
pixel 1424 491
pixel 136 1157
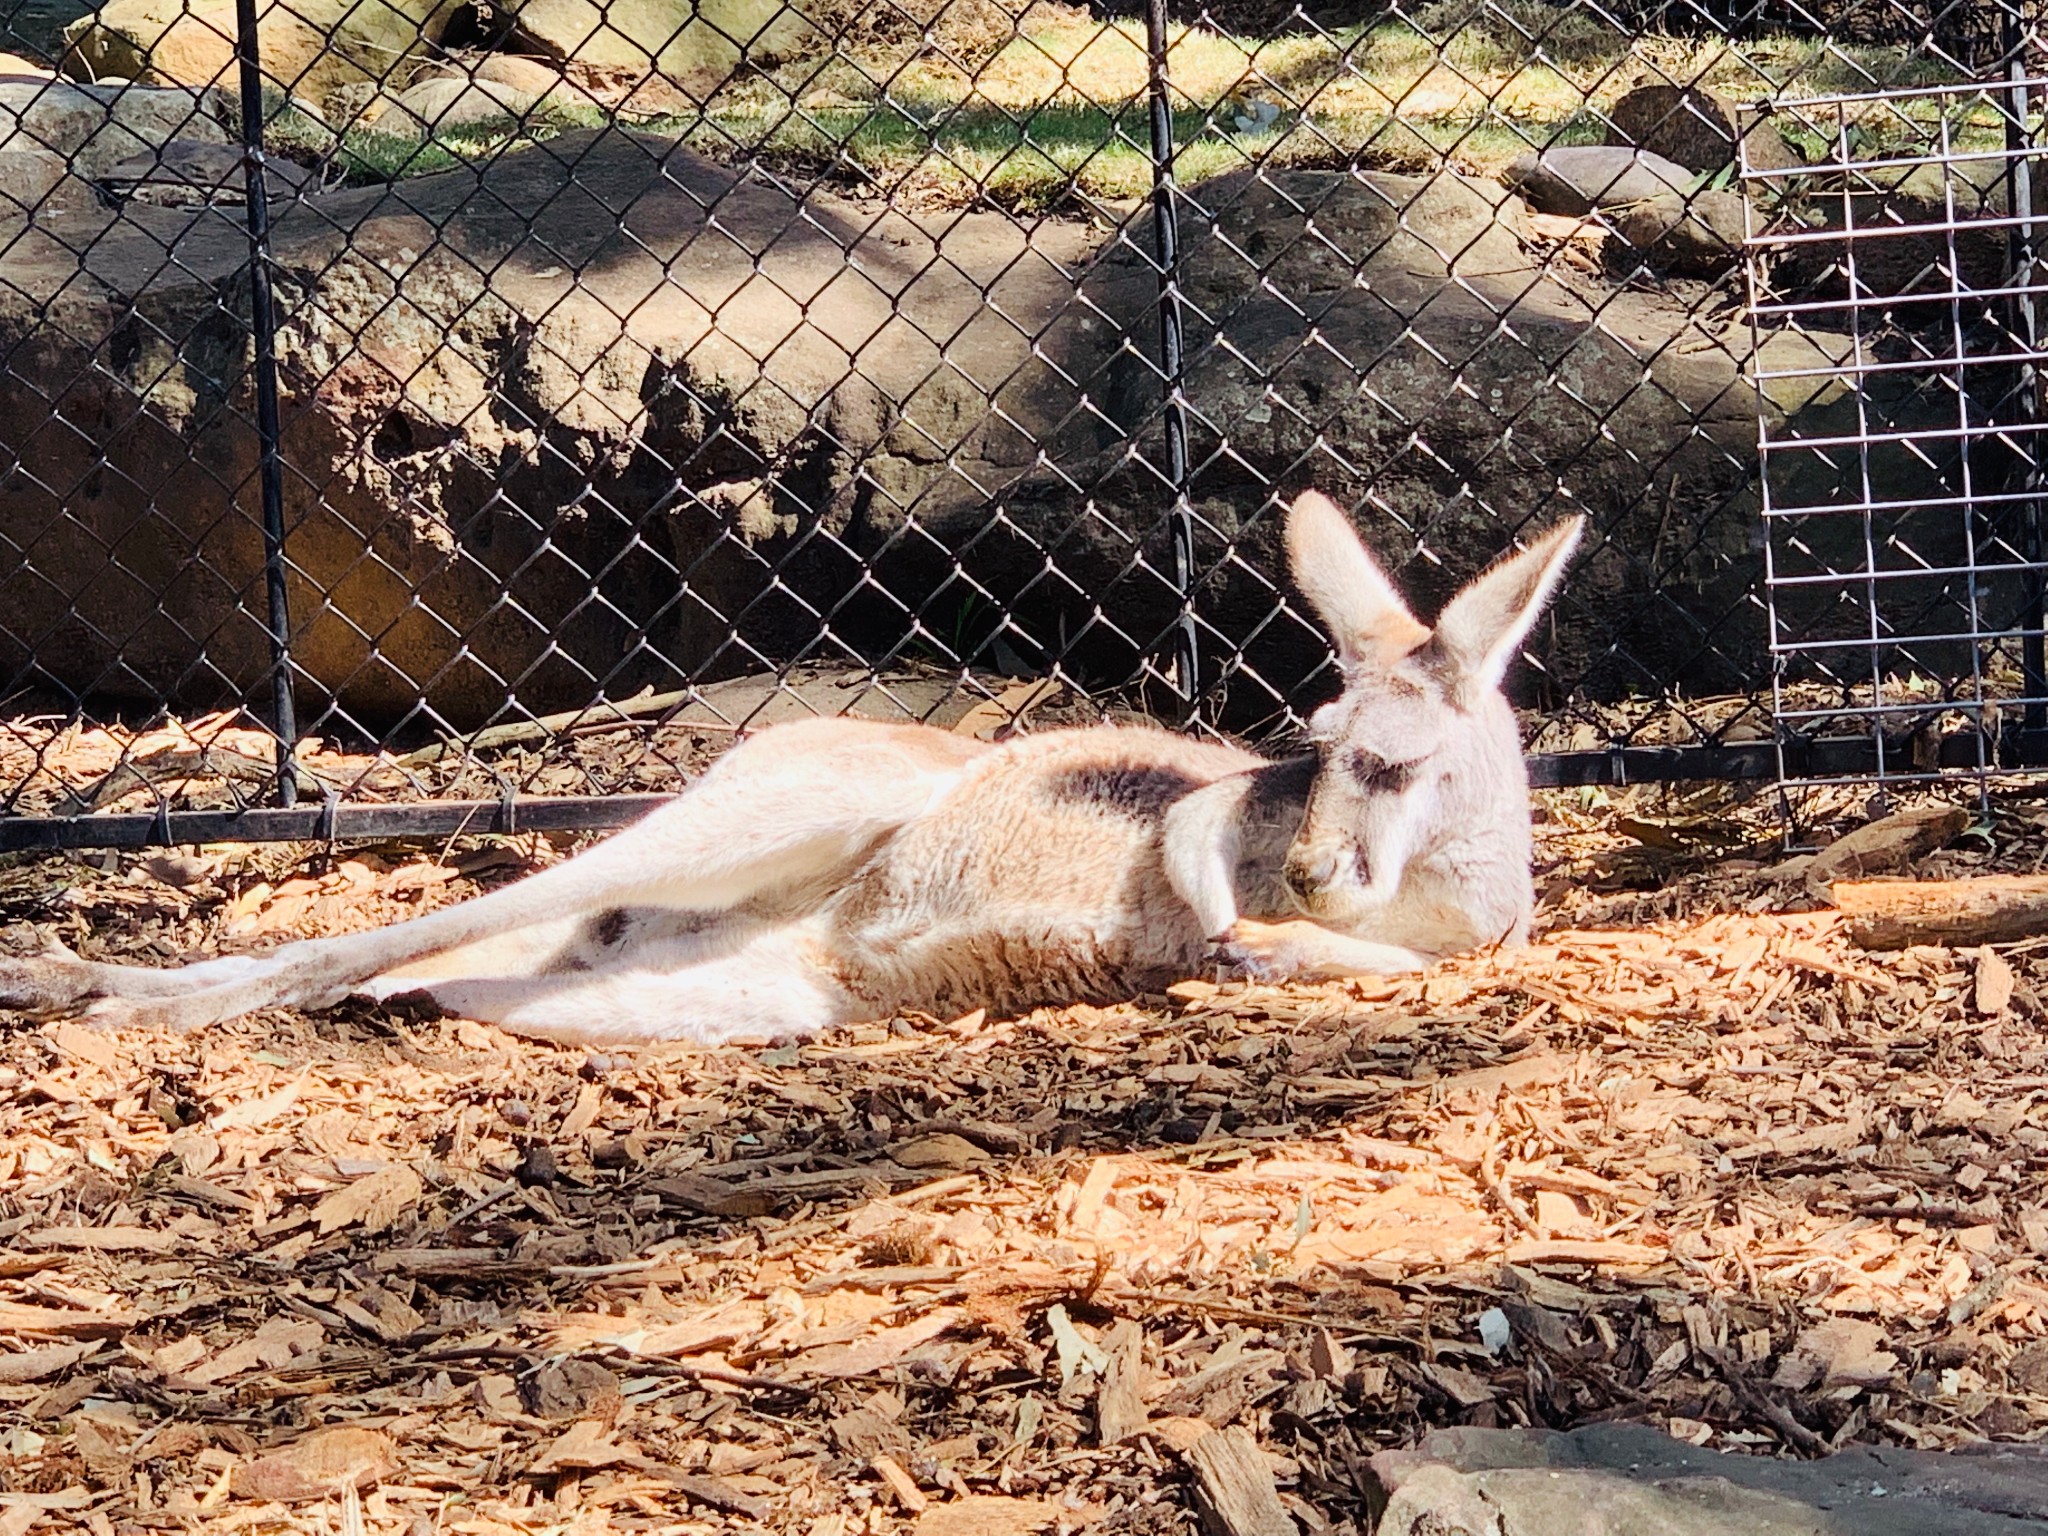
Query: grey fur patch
pixel 1140 790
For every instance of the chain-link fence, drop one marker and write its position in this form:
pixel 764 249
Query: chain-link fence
pixel 424 416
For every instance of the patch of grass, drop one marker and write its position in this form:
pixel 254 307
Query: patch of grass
pixel 1058 112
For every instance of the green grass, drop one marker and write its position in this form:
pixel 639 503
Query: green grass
pixel 1058 113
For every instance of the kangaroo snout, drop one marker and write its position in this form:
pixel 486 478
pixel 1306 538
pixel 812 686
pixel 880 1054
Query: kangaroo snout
pixel 1311 871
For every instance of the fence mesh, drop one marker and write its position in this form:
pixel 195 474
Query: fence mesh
pixel 423 415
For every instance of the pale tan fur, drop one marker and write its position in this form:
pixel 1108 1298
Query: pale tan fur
pixel 838 869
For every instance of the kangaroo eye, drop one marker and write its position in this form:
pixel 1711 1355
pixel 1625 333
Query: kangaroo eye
pixel 1379 777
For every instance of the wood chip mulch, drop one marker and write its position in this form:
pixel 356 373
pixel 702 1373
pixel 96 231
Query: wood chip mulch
pixel 1690 1160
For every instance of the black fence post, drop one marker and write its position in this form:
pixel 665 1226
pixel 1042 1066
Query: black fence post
pixel 1186 663
pixel 263 334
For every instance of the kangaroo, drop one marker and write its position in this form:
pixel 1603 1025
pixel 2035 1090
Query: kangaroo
pixel 830 871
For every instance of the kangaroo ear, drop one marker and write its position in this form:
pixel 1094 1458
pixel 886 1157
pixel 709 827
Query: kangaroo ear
pixel 1478 631
pixel 1340 578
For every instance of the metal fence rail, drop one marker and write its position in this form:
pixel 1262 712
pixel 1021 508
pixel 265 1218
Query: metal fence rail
pixel 449 417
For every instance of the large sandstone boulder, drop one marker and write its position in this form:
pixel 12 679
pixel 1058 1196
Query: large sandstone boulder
pixel 532 412
pixel 604 412
pixel 697 44
pixel 1631 1480
pixel 317 50
pixel 93 128
pixel 1696 128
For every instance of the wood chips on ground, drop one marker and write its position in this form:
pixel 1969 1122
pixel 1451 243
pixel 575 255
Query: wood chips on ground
pixel 1690 1159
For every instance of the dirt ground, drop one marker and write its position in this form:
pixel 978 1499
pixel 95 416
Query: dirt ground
pixel 1690 1160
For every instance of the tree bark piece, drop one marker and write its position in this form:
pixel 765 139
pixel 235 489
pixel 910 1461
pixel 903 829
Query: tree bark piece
pixel 1993 909
pixel 1235 1482
pixel 1120 1410
pixel 1887 845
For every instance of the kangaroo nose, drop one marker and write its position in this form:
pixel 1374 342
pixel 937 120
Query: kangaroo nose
pixel 1306 874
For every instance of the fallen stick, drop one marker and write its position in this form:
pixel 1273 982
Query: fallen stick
pixel 1992 909
pixel 609 715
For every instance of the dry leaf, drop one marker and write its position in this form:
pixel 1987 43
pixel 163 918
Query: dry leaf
pixel 374 1202
pixel 585 1447
pixel 1841 1352
pixel 317 1465
pixel 1011 705
pixel 944 1150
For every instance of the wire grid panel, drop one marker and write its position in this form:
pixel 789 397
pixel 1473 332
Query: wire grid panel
pixel 647 371
pixel 1902 429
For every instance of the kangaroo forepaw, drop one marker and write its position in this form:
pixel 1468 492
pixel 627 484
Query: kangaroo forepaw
pixel 1253 951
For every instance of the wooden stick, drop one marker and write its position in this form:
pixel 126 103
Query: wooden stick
pixel 1993 909
pixel 609 715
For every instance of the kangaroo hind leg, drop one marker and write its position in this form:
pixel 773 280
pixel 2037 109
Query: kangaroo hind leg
pixel 767 986
pixel 796 807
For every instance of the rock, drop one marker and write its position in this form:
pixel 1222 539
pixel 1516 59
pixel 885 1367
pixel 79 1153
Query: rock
pixel 1577 179
pixel 1630 1480
pixel 1800 369
pixel 34 179
pixel 539 388
pixel 545 81
pixel 94 127
pixel 14 65
pixel 696 44
pixel 1893 198
pixel 182 174
pixel 1695 128
pixel 473 363
pixel 318 47
pixel 1696 236
pixel 433 107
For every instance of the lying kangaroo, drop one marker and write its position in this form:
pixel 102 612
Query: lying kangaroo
pixel 837 870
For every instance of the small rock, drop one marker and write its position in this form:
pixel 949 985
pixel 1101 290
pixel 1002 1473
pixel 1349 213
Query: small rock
pixel 435 107
pixel 1699 235
pixel 1576 179
pixel 572 1389
pixel 537 1166
pixel 1696 128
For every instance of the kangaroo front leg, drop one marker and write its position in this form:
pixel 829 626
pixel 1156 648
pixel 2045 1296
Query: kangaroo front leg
pixel 1200 846
pixel 790 808
pixel 1305 951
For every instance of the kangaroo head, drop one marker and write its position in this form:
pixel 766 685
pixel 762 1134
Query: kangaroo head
pixel 1420 749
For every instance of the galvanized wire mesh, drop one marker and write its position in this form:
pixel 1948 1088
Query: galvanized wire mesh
pixel 1904 515
pixel 433 416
